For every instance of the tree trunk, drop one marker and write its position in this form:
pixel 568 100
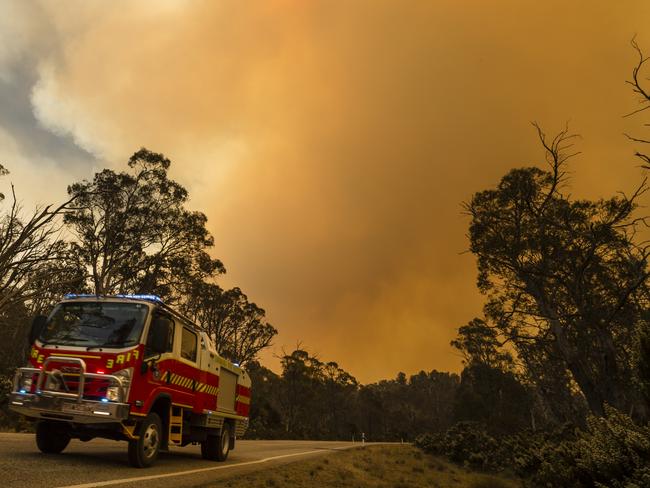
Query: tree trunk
pixel 573 361
pixel 578 369
pixel 532 419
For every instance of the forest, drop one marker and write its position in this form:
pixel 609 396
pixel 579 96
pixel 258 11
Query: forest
pixel 555 385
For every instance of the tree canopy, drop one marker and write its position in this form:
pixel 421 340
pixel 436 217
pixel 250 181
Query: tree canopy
pixel 562 275
pixel 238 326
pixel 134 234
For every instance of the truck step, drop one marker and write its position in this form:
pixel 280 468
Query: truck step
pixel 175 425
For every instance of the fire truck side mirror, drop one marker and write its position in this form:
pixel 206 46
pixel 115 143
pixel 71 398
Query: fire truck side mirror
pixel 38 324
pixel 160 329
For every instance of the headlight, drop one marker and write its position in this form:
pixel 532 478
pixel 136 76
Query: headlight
pixel 24 383
pixel 113 391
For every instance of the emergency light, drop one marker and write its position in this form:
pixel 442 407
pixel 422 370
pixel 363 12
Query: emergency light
pixel 150 298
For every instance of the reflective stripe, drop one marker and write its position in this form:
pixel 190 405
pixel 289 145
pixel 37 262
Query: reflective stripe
pixel 244 400
pixel 185 382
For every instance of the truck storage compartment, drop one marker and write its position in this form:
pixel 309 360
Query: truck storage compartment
pixel 227 390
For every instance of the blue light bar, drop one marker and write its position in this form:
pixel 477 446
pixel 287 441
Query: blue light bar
pixel 150 298
pixel 105 400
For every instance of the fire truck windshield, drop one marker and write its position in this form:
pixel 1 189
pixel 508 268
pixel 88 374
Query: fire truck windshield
pixel 95 324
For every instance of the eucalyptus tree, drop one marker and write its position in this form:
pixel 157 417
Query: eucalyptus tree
pixel 564 273
pixel 238 326
pixel 134 234
pixel 480 343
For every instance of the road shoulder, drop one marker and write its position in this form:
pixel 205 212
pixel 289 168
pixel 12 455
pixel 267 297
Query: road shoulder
pixel 366 467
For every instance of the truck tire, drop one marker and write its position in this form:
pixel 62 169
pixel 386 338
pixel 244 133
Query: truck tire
pixel 52 437
pixel 217 447
pixel 144 450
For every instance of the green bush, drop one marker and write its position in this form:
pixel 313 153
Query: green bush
pixel 466 443
pixel 526 451
pixel 612 452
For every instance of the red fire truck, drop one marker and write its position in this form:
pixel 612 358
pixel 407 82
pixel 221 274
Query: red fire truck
pixel 129 367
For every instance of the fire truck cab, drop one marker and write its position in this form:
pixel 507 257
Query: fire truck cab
pixel 129 367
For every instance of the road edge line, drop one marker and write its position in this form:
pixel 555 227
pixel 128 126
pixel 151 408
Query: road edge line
pixel 202 470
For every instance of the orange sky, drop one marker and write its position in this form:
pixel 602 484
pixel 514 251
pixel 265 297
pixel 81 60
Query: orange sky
pixel 330 143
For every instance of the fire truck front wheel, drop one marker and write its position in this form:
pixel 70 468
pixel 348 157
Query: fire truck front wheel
pixel 144 450
pixel 52 437
pixel 217 447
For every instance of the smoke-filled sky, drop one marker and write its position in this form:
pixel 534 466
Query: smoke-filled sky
pixel 330 143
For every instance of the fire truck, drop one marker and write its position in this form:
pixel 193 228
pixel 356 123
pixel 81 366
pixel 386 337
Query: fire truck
pixel 129 367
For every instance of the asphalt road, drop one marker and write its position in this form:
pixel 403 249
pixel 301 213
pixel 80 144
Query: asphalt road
pixel 104 463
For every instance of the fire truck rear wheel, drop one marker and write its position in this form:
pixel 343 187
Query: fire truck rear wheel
pixel 52 437
pixel 217 447
pixel 144 450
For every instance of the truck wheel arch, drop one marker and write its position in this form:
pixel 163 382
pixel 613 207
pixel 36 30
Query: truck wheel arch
pixel 161 406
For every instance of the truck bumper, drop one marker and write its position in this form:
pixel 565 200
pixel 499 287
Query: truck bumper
pixel 44 406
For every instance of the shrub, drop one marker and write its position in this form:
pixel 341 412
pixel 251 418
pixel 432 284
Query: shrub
pixel 465 443
pixel 611 452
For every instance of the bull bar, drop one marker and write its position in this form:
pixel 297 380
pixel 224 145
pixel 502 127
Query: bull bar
pixel 67 406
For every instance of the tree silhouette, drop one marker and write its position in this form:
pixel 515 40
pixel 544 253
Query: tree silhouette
pixel 134 233
pixel 238 327
pixel 480 344
pixel 563 273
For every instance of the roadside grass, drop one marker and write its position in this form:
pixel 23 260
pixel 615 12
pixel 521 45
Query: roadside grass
pixel 400 466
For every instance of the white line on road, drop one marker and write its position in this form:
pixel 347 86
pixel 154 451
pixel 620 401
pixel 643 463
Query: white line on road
pixel 200 470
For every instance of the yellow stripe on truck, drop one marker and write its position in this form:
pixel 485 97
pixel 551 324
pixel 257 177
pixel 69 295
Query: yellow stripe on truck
pixel 184 382
pixel 244 400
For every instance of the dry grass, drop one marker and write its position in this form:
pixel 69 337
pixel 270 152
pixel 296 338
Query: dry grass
pixel 369 467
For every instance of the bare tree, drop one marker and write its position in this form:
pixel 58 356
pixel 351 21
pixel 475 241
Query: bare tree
pixel 30 263
pixel 643 93
pixel 28 249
